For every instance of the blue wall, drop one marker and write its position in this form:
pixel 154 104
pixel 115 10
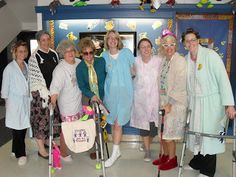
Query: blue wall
pixel 73 16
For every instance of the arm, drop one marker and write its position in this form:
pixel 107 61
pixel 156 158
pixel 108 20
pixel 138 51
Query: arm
pixel 224 85
pixel 5 84
pixel 56 85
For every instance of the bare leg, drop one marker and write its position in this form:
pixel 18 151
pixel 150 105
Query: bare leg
pixel 146 141
pixel 41 147
pixel 165 147
pixel 171 148
pixel 117 133
pixel 63 147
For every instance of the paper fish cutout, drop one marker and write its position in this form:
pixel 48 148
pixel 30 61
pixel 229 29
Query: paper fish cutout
pixel 63 26
pixel 132 25
pixel 109 25
pixel 156 24
pixel 71 36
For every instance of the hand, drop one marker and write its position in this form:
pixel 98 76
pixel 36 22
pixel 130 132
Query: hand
pixel 53 100
pixel 96 99
pixel 230 112
pixel 167 108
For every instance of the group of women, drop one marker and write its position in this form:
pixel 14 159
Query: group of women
pixel 132 89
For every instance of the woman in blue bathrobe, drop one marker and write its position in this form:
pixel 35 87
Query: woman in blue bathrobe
pixel 118 88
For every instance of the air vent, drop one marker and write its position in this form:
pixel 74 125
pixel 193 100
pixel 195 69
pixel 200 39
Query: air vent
pixel 2 3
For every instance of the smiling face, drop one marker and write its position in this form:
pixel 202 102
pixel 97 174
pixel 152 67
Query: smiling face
pixel 112 40
pixel 21 53
pixel 169 46
pixel 44 42
pixel 145 49
pixel 69 55
pixel 88 54
pixel 191 43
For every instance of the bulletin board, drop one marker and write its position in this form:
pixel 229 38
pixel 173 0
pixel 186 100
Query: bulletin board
pixel 215 32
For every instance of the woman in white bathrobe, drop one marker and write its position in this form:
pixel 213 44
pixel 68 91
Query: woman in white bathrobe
pixel 210 98
pixel 15 91
pixel 144 115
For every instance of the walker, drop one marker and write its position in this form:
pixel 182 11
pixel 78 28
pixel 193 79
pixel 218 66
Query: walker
pixel 188 132
pixel 99 140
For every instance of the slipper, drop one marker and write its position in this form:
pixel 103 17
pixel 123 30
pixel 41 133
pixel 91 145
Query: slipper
pixel 44 157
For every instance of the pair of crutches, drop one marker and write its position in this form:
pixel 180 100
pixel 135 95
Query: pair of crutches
pixel 188 132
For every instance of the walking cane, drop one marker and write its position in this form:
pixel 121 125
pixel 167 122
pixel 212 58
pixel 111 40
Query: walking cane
pixel 162 113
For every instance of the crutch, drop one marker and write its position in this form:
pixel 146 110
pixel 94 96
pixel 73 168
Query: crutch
pixel 97 117
pixel 186 128
pixel 162 114
pixel 50 166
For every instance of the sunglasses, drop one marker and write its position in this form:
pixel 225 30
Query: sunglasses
pixel 169 45
pixel 88 53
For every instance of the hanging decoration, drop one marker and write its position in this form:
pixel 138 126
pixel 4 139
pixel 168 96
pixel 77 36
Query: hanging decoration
pixel 233 3
pixel 80 3
pixel 115 3
pixel 154 5
pixel 201 3
pixel 53 6
pixel 170 3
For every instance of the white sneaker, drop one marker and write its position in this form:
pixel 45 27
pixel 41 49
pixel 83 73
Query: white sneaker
pixel 67 158
pixel 141 147
pixel 109 162
pixel 187 167
pixel 22 161
pixel 13 155
pixel 202 175
pixel 147 156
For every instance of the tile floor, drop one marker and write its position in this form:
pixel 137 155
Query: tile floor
pixel 130 164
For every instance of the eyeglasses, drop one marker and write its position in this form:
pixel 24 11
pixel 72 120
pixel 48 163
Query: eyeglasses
pixel 88 53
pixel 191 40
pixel 169 45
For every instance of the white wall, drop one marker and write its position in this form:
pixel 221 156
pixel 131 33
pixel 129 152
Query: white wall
pixel 24 10
pixel 10 27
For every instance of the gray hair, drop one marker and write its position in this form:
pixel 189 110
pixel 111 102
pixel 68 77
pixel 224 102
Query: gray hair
pixel 39 34
pixel 63 45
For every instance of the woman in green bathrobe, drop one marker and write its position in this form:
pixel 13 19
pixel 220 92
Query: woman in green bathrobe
pixel 210 98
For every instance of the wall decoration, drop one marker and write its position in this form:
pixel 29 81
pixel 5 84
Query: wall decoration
pixel 63 26
pixel 109 25
pixel 132 25
pixel 80 3
pixel 201 3
pixel 115 3
pixel 215 31
pixel 71 36
pixel 92 24
pixel 53 6
pixel 156 24
pixel 154 4
pixel 170 2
